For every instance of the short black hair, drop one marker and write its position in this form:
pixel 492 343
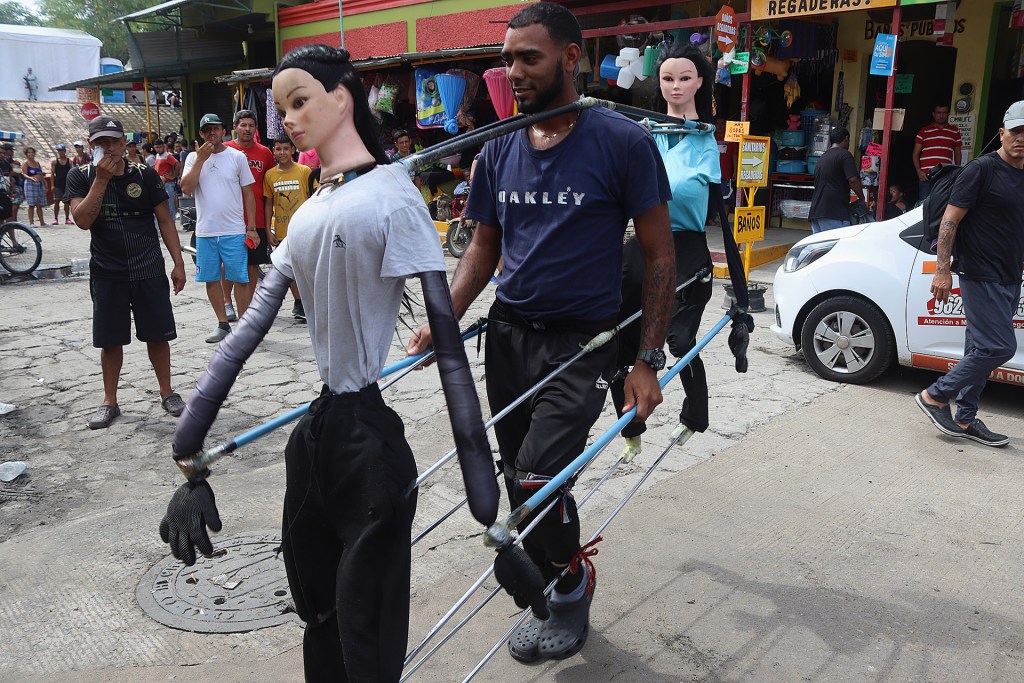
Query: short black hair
pixel 561 24
pixel 147 148
pixel 400 133
pixel 243 114
pixel 838 135
pixel 284 140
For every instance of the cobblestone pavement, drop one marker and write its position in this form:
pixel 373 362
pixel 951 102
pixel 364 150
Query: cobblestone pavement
pixel 78 532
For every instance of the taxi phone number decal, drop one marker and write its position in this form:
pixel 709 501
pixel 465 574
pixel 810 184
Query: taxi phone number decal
pixel 951 313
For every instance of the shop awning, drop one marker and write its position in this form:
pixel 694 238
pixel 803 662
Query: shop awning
pixel 169 75
pixel 166 9
pixel 414 58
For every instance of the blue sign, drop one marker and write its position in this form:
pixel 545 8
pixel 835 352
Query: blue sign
pixel 882 58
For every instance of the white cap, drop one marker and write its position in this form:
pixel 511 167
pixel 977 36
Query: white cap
pixel 1014 116
pixel 79 143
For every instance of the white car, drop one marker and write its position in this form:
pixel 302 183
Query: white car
pixel 854 299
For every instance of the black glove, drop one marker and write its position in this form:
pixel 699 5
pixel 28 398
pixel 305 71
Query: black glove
pixel 192 509
pixel 521 579
pixel 739 338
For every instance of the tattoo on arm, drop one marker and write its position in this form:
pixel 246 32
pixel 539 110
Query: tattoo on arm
pixel 944 251
pixel 659 283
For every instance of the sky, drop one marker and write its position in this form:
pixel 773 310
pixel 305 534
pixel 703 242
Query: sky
pixel 31 4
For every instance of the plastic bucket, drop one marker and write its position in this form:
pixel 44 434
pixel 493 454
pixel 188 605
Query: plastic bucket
pixel 608 68
pixel 792 138
pixel 792 167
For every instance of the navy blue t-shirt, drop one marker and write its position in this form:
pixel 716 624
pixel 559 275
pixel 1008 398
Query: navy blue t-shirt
pixel 563 212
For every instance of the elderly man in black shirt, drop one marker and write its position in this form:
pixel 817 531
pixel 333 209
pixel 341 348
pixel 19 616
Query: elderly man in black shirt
pixel 116 201
pixel 984 224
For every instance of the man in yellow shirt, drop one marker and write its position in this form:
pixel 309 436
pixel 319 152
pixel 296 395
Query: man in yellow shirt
pixel 285 188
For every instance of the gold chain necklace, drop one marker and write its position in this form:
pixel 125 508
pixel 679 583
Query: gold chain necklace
pixel 552 136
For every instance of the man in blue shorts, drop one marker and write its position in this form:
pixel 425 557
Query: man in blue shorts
pixel 116 201
pixel 554 200
pixel 220 179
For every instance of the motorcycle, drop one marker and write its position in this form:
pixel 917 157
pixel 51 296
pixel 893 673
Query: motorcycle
pixel 460 228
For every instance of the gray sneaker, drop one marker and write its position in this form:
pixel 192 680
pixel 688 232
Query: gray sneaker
pixel 173 404
pixel 218 335
pixel 229 311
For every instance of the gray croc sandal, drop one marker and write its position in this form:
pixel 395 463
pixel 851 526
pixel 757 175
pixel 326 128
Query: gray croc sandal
pixel 173 404
pixel 565 633
pixel 522 644
pixel 103 416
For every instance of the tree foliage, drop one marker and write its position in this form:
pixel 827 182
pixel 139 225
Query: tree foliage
pixel 15 13
pixel 95 17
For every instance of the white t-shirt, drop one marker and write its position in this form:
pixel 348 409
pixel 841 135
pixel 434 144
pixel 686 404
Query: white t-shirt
pixel 349 250
pixel 219 209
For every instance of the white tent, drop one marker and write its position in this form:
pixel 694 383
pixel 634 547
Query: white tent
pixel 55 56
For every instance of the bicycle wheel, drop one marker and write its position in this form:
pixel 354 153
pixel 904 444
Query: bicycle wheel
pixel 20 248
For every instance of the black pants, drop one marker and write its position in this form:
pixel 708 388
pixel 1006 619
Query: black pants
pixel 347 526
pixel 550 429
pixel 687 309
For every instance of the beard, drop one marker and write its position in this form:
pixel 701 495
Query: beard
pixel 543 98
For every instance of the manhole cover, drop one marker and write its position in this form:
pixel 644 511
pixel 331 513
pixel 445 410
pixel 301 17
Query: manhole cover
pixel 242 588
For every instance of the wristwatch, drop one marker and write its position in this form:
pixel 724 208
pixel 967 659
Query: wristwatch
pixel 653 357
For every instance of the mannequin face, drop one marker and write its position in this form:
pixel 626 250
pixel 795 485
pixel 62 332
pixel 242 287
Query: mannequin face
pixel 309 113
pixel 679 81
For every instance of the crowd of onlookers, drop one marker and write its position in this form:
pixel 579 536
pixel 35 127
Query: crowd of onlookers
pixel 35 184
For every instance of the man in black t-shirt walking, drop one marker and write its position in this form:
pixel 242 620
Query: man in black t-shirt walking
pixel 984 220
pixel 116 200
pixel 834 177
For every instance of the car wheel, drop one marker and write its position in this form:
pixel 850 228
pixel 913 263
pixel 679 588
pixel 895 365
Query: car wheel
pixel 847 339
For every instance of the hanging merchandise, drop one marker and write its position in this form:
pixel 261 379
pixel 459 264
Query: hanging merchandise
pixel 791 88
pixel 387 96
pixel 451 89
pixel 275 127
pixel 723 71
pixel 840 92
pixel 429 110
pixel 371 99
pixel 469 97
pixel 500 91
pixel 635 39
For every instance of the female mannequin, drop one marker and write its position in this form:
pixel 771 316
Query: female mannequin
pixel 686 84
pixel 347 513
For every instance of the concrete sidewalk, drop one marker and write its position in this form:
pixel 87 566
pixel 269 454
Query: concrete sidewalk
pixel 812 551
pixel 816 549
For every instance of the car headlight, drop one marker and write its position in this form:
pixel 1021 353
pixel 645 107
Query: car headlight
pixel 805 254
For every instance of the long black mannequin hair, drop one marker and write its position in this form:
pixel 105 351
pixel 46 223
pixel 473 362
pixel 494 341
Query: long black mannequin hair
pixel 331 66
pixel 702 98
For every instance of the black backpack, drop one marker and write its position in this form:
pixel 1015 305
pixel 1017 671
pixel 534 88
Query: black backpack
pixel 943 177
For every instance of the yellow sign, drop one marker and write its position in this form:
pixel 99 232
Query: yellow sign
pixel 749 224
pixel 734 130
pixel 761 10
pixel 753 161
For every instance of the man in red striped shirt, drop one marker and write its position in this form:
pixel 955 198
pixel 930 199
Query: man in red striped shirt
pixel 937 143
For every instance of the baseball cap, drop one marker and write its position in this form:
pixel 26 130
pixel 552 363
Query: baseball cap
pixel 7 145
pixel 1014 115
pixel 60 147
pixel 105 127
pixel 79 143
pixel 209 120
